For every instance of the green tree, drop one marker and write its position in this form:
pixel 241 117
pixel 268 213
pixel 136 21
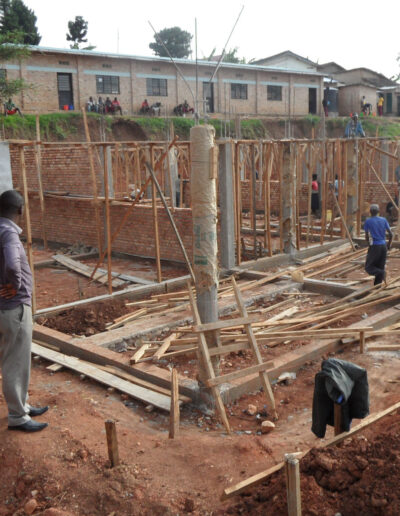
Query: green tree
pixel 16 17
pixel 175 39
pixel 11 48
pixel 78 32
pixel 229 57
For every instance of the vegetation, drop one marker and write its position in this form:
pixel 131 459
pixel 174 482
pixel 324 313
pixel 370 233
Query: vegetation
pixel 175 39
pixel 17 18
pixel 55 126
pixel 77 33
pixel 229 57
pixel 10 48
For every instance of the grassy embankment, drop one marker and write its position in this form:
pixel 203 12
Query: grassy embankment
pixel 69 126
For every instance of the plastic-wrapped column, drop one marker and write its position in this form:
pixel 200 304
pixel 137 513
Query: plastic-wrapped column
pixel 204 209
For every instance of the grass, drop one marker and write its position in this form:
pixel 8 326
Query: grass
pixel 52 126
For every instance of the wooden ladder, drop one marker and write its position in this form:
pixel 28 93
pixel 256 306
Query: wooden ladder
pixel 214 380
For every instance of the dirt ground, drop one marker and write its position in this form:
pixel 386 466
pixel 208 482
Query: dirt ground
pixel 66 465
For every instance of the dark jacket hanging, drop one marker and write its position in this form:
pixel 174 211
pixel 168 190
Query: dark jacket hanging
pixel 337 381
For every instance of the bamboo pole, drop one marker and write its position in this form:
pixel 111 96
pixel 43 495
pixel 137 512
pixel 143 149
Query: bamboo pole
pixel 94 183
pixel 155 220
pixel 38 159
pixel 108 226
pixel 28 225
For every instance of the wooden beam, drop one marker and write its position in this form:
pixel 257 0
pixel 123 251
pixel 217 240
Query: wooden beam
pixel 38 160
pixel 108 223
pixel 28 225
pixel 135 391
pixel 228 323
pixel 212 382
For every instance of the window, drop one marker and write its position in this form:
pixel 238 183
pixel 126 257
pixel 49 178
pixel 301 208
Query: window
pixel 105 65
pixel 107 84
pixel 66 63
pixel 239 91
pixel 274 92
pixel 157 87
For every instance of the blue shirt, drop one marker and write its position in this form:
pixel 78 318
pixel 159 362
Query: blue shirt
pixel 377 227
pixel 14 267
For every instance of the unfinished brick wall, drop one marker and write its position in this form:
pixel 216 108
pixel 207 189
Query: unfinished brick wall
pixel 69 221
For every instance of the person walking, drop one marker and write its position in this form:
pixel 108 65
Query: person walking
pixel 15 317
pixel 377 227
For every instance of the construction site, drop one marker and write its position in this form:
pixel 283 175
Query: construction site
pixel 186 294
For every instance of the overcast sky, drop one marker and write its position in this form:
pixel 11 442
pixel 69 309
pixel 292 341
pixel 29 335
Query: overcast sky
pixel 353 33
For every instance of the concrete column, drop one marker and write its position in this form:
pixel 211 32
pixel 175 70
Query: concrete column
pixel 6 182
pixel 226 202
pixel 204 211
pixel 288 200
pixel 352 185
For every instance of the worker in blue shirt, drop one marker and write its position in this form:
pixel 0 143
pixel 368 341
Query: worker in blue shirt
pixel 354 128
pixel 377 227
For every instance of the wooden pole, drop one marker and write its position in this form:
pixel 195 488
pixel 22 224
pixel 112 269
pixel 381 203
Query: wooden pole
pixel 130 209
pixel 94 182
pixel 342 218
pixel 151 171
pixel 174 413
pixel 238 205
pixel 38 159
pixel 280 165
pixel 362 341
pixel 292 472
pixel 309 181
pixel 112 443
pixel 155 220
pixel 108 226
pixel 268 200
pixel 337 416
pixel 253 197
pixel 28 225
pixel 383 185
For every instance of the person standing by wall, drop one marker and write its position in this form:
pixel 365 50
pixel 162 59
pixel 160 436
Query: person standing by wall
pixel 381 100
pixel 354 128
pixel 15 317
pixel 377 227
pixel 314 195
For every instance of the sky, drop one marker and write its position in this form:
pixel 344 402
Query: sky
pixel 352 33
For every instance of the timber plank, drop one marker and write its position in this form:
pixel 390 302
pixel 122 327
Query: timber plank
pixel 212 382
pixel 135 391
pixel 85 270
pixel 228 323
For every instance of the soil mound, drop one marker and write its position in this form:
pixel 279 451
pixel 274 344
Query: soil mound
pixel 361 477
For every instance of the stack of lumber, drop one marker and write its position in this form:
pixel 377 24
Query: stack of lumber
pixel 109 375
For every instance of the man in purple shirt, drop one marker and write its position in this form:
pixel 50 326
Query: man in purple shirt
pixel 377 227
pixel 15 317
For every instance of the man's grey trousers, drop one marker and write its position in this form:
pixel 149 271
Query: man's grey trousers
pixel 15 361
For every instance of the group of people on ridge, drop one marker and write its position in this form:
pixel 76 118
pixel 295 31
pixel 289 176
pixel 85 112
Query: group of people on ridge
pixel 104 107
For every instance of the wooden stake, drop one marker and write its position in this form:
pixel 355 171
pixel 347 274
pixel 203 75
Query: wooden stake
pixel 253 198
pixel 342 218
pixel 112 443
pixel 40 184
pixel 174 413
pixel 337 415
pixel 309 192
pixel 108 226
pixel 28 225
pixel 292 471
pixel 362 341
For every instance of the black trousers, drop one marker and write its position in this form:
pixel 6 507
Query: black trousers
pixel 375 262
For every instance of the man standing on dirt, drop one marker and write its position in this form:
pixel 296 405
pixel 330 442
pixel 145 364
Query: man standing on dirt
pixel 377 227
pixel 15 317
